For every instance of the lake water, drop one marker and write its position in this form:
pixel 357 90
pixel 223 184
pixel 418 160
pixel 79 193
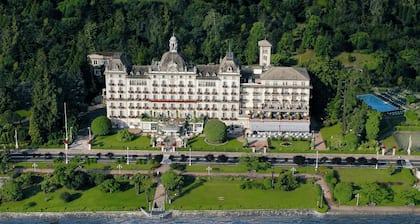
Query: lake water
pixel 311 219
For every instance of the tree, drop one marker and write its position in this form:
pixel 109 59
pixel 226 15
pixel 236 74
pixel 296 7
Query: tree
pixel 101 126
pixel 350 160
pixel 360 41
pixel 287 182
pixel 48 185
pixel 110 186
pixel 343 192
pixel 372 124
pixel 410 196
pixel 375 193
pixel 138 180
pixel 254 163
pixel 11 191
pixel 42 124
pixel 299 160
pixel 215 131
pixel 257 33
pixel 4 160
pixel 172 180
pixel 311 32
pixel 124 135
pixel 323 46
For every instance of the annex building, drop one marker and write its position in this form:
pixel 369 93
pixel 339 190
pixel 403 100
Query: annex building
pixel 262 98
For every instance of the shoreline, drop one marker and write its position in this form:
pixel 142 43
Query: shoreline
pixel 347 210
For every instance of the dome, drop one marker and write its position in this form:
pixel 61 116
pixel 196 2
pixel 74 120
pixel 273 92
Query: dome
pixel 172 62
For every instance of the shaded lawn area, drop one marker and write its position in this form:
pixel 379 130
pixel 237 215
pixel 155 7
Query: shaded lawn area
pixel 243 169
pixel 224 193
pixel 232 145
pixel 89 200
pixel 98 166
pixel 398 182
pixel 363 175
pixel 112 142
pixel 332 134
pixel 360 61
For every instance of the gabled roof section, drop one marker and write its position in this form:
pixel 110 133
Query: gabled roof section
pixel 285 73
pixel 264 43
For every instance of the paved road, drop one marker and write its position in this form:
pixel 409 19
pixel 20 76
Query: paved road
pixel 229 154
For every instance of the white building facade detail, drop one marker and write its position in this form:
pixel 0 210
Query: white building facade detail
pixel 271 98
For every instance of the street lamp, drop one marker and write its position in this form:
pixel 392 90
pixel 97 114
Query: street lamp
pixel 377 156
pixel 128 161
pixel 66 141
pixel 190 158
pixel 208 170
pixel 293 169
pixel 316 162
pixel 34 165
pixel 90 139
pixel 119 168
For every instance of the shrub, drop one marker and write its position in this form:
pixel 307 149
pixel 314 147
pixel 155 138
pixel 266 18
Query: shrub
pixel 178 166
pixel 65 196
pixel 101 126
pixel 124 135
pixel 215 131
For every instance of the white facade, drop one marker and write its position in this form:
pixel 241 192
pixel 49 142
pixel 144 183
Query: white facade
pixel 172 89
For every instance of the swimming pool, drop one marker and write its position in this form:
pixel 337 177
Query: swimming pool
pixel 377 104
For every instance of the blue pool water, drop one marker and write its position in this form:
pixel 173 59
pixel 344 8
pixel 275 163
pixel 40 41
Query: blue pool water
pixel 377 104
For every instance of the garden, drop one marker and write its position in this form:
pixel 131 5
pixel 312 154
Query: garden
pixel 375 187
pixel 226 193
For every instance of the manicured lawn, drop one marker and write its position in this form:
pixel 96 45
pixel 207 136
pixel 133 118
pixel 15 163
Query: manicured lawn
pixel 112 142
pixel 232 145
pixel 296 146
pixel 332 134
pixel 89 200
pixel 217 168
pixel 243 169
pixel 98 166
pixel 223 193
pixel 363 175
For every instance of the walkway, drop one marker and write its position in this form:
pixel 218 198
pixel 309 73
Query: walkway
pixel 159 199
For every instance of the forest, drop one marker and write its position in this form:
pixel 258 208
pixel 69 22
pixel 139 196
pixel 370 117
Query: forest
pixel 44 47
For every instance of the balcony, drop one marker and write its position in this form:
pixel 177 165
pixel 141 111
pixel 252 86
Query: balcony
pixel 234 86
pixel 214 108
pixel 146 92
pixel 182 92
pixel 131 91
pixel 120 84
pixel 111 84
pixel 163 85
pixel 225 86
pixel 154 92
pixel 200 93
pixel 120 91
pixel 190 93
pixel 214 93
pixel 190 85
pixel 171 85
pixel 113 107
pixel 207 93
pixel 111 91
pixel 225 109
pixel 121 107
pixel 163 92
pixel 225 93
pixel 233 93
pixel 155 84
pixel 181 85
